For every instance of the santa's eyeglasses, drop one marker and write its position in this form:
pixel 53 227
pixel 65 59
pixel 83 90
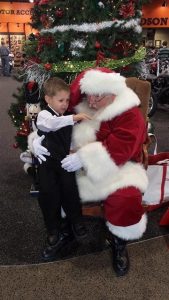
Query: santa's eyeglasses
pixel 95 98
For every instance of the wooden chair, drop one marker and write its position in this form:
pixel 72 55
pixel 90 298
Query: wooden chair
pixel 143 89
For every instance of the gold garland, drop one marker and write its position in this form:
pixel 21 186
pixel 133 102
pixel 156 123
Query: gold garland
pixel 78 66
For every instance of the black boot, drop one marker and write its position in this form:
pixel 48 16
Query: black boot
pixel 79 230
pixel 55 242
pixel 120 256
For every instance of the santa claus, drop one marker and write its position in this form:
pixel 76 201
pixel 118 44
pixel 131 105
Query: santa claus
pixel 108 157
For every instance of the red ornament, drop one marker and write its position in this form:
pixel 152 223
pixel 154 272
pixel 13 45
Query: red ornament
pixel 36 2
pixel 21 133
pixel 114 57
pixel 44 20
pixel 97 45
pixel 122 48
pixel 30 85
pixel 48 41
pixel 48 66
pixel 15 146
pixel 59 13
pixel 126 68
pixel 24 130
pixel 127 10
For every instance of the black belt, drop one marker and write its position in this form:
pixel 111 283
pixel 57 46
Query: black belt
pixel 3 55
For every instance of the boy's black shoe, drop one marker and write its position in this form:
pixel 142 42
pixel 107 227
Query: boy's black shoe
pixel 55 244
pixel 79 230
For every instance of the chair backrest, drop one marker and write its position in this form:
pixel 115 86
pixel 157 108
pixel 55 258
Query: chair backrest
pixel 143 90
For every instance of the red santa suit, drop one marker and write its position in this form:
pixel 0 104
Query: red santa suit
pixel 110 149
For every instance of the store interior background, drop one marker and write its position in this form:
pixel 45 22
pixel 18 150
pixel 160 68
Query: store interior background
pixel 15 17
pixel 153 37
pixel 155 29
pixel 14 27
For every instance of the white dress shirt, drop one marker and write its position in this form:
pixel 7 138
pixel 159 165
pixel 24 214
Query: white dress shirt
pixel 47 122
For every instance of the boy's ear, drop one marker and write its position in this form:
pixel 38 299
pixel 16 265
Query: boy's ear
pixel 47 98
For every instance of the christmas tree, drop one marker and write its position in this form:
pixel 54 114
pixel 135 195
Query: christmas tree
pixel 72 36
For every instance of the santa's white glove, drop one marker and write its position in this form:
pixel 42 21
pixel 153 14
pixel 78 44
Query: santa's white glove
pixel 40 151
pixel 71 162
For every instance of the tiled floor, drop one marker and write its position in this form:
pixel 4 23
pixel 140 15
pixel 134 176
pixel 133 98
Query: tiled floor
pixel 92 277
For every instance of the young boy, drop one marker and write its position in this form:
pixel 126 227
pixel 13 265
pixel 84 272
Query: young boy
pixel 58 187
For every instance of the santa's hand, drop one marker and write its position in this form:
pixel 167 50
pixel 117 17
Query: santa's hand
pixel 71 162
pixel 40 151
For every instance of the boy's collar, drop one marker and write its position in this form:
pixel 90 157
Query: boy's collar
pixel 54 110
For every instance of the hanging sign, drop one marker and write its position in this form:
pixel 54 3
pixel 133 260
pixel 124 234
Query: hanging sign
pixel 154 15
pixel 155 22
pixel 15 12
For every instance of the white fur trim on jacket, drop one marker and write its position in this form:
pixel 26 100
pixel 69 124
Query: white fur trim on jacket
pixel 95 82
pixel 97 187
pixel 31 138
pixel 126 100
pixel 84 107
pixel 131 232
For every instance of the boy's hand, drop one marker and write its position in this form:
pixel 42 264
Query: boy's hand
pixel 80 117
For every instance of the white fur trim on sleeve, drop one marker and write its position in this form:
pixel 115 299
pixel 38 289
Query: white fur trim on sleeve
pixel 131 232
pixel 131 174
pixel 33 135
pixel 97 162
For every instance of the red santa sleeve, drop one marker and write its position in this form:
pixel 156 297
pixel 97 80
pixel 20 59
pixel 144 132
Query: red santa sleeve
pixel 126 137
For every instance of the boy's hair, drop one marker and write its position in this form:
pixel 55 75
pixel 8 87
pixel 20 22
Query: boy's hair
pixel 54 85
pixel 164 43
